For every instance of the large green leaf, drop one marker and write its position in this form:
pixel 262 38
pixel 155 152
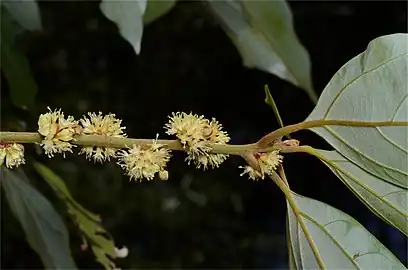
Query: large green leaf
pixel 263 33
pixel 388 201
pixel 341 242
pixel 44 229
pixel 25 12
pixel 102 244
pixel 370 87
pixel 157 8
pixel 128 15
pixel 15 66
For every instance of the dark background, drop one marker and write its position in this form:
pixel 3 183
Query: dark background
pixel 187 63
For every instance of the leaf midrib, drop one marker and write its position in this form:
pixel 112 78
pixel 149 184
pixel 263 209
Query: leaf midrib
pixel 331 237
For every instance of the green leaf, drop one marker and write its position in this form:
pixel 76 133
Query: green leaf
pixel 15 66
pixel 370 87
pixel 102 244
pixel 44 229
pixel 25 12
pixel 264 35
pixel 341 242
pixel 128 15
pixel 157 8
pixel 388 201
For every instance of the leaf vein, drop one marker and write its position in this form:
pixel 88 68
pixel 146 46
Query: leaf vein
pixel 362 154
pixel 358 77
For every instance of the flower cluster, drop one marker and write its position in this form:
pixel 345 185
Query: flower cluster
pixel 57 132
pixel 106 125
pixel 144 161
pixel 196 134
pixel 12 153
pixel 268 162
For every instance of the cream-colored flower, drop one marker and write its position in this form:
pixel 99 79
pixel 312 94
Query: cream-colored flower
pixel 214 134
pixel 196 134
pixel 12 153
pixel 189 130
pixel 252 173
pixel 57 132
pixel 144 161
pixel 97 124
pixel 268 162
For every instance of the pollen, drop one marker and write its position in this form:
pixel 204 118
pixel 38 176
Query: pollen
pixel 57 132
pixel 196 134
pixel 12 153
pixel 96 124
pixel 144 161
pixel 268 162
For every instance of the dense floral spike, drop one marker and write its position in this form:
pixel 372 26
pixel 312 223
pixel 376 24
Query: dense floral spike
pixel 144 161
pixel 106 125
pixel 12 153
pixel 196 134
pixel 189 130
pixel 268 162
pixel 57 132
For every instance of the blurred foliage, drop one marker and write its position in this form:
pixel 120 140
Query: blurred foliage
pixel 194 220
pixel 94 236
pixel 15 66
pixel 43 227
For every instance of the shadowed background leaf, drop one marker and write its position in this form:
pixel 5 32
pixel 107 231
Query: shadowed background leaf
pixel 44 229
pixel 264 34
pixel 157 8
pixel 128 15
pixel 94 235
pixel 14 64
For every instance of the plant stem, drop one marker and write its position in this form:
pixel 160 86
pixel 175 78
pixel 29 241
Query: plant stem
pixel 116 142
pixel 271 102
pixel 281 173
pixel 288 194
pixel 274 135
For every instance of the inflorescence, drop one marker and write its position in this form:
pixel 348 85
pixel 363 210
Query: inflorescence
pixel 196 134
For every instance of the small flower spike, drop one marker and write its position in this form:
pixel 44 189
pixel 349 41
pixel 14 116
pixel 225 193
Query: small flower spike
pixel 106 125
pixel 57 132
pixel 196 134
pixel 12 153
pixel 268 162
pixel 144 161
